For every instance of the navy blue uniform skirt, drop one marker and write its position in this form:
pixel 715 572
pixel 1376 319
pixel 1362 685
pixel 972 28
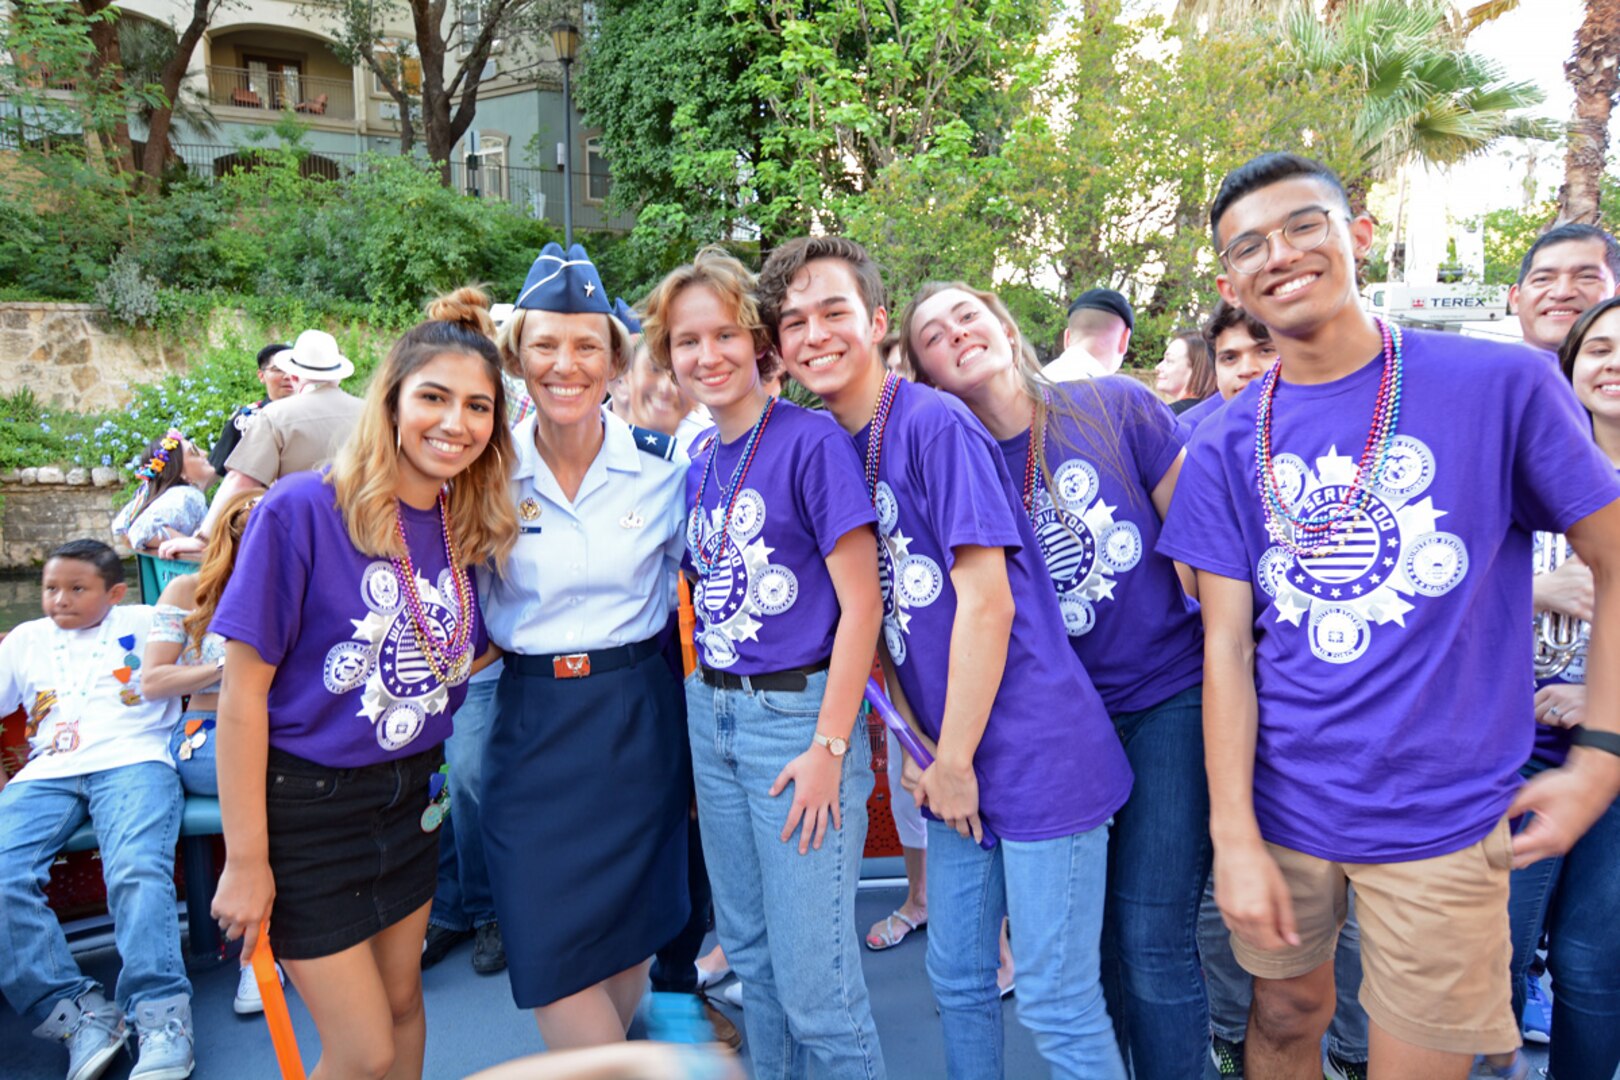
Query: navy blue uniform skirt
pixel 587 787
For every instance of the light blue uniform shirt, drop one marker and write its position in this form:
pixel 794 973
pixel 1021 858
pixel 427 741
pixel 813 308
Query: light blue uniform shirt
pixel 597 571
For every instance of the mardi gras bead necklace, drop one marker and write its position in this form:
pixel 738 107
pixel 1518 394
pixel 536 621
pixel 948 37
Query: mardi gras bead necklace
pixel 874 438
pixel 728 492
pixel 1305 536
pixel 447 659
pixel 1037 451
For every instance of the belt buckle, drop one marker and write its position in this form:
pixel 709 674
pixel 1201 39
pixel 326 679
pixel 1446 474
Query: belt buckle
pixel 573 666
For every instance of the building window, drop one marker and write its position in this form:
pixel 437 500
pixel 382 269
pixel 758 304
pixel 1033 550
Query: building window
pixel 398 57
pixel 598 179
pixel 489 178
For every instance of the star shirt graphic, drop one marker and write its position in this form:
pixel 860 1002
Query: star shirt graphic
pixel 381 656
pixel 1387 557
pixel 744 586
pixel 1085 549
pixel 910 580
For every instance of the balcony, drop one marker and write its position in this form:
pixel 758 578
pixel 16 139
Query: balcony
pixel 273 91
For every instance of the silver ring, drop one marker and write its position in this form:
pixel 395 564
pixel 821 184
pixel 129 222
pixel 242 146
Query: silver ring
pixel 1555 712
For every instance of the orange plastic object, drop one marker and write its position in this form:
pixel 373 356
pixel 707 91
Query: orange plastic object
pixel 688 627
pixel 275 1009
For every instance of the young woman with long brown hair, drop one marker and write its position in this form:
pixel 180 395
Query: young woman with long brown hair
pixel 352 623
pixel 1096 461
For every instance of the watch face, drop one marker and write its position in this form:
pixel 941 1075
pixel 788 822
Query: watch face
pixel 838 747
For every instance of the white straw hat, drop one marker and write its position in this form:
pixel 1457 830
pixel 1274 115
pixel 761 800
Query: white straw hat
pixel 315 357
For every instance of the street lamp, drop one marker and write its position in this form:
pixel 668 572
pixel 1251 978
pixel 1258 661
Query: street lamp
pixel 565 42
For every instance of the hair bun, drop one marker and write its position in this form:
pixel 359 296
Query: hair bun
pixel 466 307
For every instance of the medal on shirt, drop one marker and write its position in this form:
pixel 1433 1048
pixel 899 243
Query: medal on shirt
pixel 528 515
pixel 438 799
pixel 196 736
pixel 80 677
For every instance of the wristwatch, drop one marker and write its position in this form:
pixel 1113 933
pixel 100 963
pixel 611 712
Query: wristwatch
pixel 835 746
pixel 1607 741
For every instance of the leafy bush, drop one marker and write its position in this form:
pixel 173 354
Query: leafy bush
pixel 128 292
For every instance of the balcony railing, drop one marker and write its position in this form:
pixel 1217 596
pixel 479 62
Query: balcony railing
pixel 244 88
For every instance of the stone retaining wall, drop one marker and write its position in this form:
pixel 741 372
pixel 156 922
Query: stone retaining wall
pixel 42 508
pixel 76 356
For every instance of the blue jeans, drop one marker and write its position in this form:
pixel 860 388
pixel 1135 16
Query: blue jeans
pixel 787 921
pixel 1053 891
pixel 1158 860
pixel 462 900
pixel 136 811
pixel 1575 899
pixel 1231 989
pixel 198 773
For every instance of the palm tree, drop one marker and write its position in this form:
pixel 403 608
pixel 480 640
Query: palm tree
pixel 1594 72
pixel 1427 98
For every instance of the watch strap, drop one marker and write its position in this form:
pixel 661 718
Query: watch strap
pixel 1607 741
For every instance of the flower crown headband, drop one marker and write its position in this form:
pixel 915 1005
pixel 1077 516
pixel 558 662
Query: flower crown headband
pixel 160 461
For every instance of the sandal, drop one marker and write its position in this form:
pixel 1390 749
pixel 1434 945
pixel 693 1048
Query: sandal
pixel 889 938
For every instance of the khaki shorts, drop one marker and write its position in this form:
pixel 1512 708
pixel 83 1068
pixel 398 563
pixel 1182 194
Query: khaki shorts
pixel 1435 946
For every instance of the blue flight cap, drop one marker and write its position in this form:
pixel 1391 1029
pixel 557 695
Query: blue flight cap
pixel 626 314
pixel 566 284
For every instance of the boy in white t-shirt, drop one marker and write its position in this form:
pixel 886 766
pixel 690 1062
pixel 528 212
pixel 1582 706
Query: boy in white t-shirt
pixel 98 750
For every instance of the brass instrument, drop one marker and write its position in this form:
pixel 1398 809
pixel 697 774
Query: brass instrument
pixel 1558 637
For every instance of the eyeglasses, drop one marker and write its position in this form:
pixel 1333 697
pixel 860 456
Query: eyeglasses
pixel 1305 230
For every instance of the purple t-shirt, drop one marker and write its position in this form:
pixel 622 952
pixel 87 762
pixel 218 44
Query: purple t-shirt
pixel 351 687
pixel 1393 675
pixel 1188 421
pixel 768 603
pixel 1109 442
pixel 1049 763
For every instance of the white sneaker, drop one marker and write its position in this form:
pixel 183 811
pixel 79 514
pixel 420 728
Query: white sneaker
pixel 733 994
pixel 248 1001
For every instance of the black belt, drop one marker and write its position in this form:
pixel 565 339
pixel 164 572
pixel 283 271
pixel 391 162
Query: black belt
pixel 793 679
pixel 581 664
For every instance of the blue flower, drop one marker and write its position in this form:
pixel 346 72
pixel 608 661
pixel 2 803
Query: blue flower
pixel 106 459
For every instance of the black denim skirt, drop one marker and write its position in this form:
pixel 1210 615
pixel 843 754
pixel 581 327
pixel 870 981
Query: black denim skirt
pixel 347 850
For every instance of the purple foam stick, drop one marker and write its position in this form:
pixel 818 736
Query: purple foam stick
pixel 913 745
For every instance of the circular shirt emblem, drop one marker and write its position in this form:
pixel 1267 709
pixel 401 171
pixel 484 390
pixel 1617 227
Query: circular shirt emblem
pixel 1273 570
pixel 894 640
pixel 348 666
pixel 400 725
pixel 888 509
pixel 748 516
pixel 1121 546
pixel 404 670
pixel 1435 562
pixel 725 587
pixel 1364 544
pixel 920 580
pixel 775 589
pixel 1290 471
pixel 380 588
pixel 1338 634
pixel 1078 615
pixel 718 651
pixel 1076 483
pixel 1408 471
pixel 1068 545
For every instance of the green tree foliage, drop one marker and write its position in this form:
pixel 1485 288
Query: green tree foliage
pixel 723 116
pixel 1424 95
pixel 1106 178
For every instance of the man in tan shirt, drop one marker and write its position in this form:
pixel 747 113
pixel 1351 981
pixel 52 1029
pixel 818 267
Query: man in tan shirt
pixel 299 432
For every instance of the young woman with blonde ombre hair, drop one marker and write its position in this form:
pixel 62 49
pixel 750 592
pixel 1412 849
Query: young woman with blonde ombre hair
pixel 351 626
pixel 1096 462
pixel 783 557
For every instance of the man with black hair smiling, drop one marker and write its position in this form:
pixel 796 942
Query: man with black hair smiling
pixel 1567 270
pixel 277 385
pixel 1366 677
